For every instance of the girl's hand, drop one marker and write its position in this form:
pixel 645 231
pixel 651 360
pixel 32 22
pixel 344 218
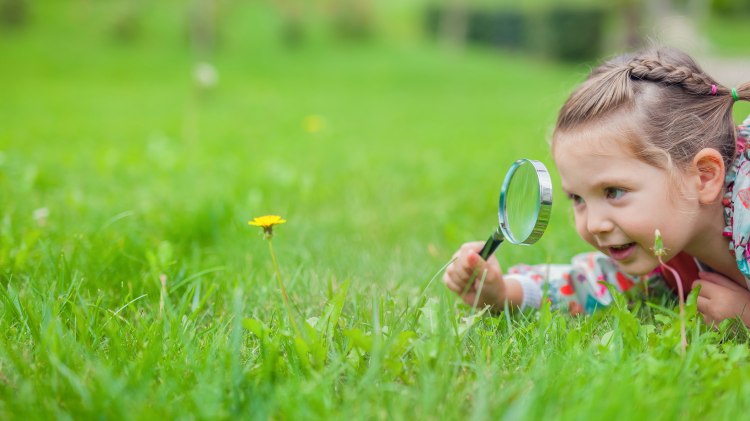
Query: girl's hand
pixel 464 275
pixel 720 298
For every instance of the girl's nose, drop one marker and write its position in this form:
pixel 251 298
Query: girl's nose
pixel 597 222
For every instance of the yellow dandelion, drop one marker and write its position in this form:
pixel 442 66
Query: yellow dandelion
pixel 313 123
pixel 267 222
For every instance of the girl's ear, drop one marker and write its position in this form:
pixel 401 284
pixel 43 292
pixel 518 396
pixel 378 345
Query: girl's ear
pixel 711 171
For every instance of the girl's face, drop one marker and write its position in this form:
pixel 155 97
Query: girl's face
pixel 619 201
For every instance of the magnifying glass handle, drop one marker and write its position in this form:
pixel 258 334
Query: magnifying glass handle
pixel 491 245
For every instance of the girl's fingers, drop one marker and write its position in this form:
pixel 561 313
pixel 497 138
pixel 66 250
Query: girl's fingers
pixel 448 274
pixel 704 308
pixel 707 288
pixel 463 268
pixel 461 271
pixel 455 278
pixel 702 303
pixel 453 286
pixel 471 264
pixel 720 280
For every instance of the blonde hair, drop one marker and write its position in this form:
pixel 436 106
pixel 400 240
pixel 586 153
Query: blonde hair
pixel 676 108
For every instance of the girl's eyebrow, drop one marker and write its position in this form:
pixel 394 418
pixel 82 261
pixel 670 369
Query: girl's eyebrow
pixel 609 182
pixel 602 184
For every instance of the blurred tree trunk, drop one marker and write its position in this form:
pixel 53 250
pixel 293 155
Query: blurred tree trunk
pixel 353 19
pixel 632 12
pixel 127 24
pixel 661 8
pixel 676 22
pixel 13 13
pixel 694 9
pixel 698 9
pixel 203 27
pixel 293 29
pixel 454 24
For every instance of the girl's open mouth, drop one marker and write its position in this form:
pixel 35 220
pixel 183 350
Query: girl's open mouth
pixel 621 252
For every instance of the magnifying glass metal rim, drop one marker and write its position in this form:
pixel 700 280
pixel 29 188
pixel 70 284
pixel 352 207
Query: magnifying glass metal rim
pixel 543 214
pixel 545 202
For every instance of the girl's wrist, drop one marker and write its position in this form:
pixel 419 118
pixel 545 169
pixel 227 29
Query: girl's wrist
pixel 516 294
pixel 526 293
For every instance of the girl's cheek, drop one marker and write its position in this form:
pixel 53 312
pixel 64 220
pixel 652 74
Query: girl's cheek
pixel 583 232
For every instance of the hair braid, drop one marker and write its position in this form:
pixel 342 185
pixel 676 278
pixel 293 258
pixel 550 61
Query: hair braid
pixel 651 69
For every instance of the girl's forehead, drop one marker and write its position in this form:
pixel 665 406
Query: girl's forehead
pixel 588 165
pixel 616 133
pixel 597 141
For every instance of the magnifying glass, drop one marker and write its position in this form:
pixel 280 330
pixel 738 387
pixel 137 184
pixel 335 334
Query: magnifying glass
pixel 524 207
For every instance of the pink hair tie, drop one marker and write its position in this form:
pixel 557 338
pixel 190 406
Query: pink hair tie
pixel 713 89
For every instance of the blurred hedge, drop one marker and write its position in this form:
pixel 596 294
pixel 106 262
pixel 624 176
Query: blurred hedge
pixel 731 7
pixel 565 32
pixel 574 33
pixel 13 13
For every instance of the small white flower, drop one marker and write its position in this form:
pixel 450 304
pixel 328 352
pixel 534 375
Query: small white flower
pixel 205 75
pixel 40 216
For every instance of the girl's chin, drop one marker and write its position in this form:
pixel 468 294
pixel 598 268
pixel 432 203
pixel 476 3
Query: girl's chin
pixel 639 272
pixel 639 267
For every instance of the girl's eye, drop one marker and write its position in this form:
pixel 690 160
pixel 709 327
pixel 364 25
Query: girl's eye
pixel 614 193
pixel 576 199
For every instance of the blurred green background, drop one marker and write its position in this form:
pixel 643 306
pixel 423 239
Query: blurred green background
pixel 381 130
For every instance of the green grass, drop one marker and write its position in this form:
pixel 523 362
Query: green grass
pixel 145 179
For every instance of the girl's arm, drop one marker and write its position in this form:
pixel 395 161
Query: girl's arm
pixel 577 287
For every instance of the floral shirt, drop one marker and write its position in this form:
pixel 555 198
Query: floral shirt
pixel 582 286
pixel 737 202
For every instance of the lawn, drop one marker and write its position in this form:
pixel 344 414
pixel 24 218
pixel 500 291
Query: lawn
pixel 132 286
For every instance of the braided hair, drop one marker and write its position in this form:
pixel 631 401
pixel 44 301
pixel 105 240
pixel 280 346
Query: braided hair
pixel 673 107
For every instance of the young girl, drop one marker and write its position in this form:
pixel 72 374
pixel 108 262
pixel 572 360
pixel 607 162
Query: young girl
pixel 647 142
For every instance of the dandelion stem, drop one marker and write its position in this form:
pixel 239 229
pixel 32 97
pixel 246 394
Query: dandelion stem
pixel 678 280
pixel 281 286
pixel 659 252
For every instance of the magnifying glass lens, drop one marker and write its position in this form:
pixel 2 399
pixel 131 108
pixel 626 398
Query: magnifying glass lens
pixel 522 203
pixel 524 206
